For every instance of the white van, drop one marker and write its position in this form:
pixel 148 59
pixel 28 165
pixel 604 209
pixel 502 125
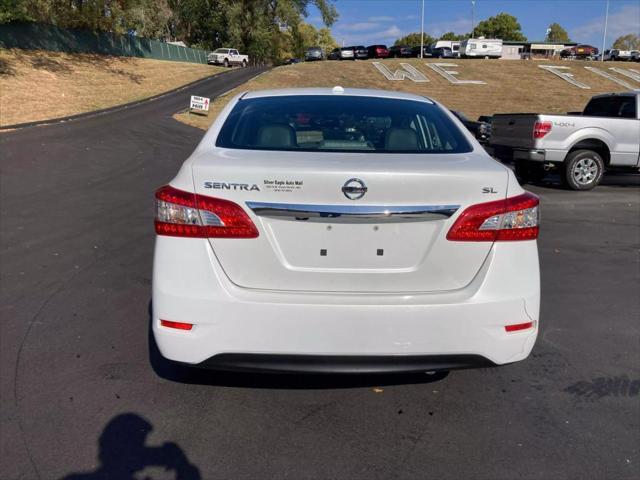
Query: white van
pixel 481 48
pixel 453 45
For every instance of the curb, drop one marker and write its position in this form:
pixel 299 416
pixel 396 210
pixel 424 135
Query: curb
pixel 115 108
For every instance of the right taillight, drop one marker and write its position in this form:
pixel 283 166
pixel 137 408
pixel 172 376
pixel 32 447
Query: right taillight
pixel 185 214
pixel 540 129
pixel 515 218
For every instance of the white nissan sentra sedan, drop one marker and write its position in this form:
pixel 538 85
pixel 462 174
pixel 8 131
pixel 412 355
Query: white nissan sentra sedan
pixel 348 231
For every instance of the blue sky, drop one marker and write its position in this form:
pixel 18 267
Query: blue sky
pixel 382 21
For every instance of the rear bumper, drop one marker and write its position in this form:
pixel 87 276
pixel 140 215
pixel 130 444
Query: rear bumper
pixel 392 332
pixel 510 154
pixel 342 364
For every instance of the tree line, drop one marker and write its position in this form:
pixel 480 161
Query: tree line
pixel 266 30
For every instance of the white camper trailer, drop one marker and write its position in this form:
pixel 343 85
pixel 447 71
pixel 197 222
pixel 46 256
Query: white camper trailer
pixel 481 48
pixel 451 44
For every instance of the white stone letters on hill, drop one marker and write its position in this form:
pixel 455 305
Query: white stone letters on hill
pixel 608 76
pixel 568 77
pixel 407 71
pixel 445 71
pixel 441 69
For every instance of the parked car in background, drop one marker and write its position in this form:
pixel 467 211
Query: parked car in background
pixel 442 52
pixel 426 51
pixel 400 51
pixel 227 57
pixel 401 247
pixel 378 51
pixel 291 61
pixel 344 53
pixel 360 52
pixel 481 48
pixel 617 55
pixel 453 45
pixel 313 53
pixel 480 130
pixel 579 51
pixel 581 147
pixel 635 56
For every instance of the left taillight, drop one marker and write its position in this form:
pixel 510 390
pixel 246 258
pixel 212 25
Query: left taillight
pixel 185 214
pixel 515 218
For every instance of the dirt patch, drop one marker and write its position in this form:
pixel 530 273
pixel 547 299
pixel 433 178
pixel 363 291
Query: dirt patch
pixel 39 85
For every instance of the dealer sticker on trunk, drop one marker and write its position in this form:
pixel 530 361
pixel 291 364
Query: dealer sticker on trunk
pixel 286 186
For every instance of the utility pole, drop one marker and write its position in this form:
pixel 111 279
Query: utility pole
pixel 604 36
pixel 422 33
pixel 473 18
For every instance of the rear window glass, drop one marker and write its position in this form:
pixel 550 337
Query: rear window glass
pixel 341 123
pixel 620 106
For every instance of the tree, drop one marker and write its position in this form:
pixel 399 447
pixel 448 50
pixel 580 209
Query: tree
pixel 557 34
pixel 13 11
pixel 503 26
pixel 630 41
pixel 454 36
pixel 413 40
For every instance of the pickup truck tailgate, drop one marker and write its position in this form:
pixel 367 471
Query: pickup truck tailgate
pixel 514 130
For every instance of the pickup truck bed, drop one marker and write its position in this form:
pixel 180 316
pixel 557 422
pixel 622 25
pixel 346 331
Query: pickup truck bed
pixel 607 133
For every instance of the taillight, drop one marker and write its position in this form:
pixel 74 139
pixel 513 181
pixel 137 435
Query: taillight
pixel 184 214
pixel 176 325
pixel 540 129
pixel 515 218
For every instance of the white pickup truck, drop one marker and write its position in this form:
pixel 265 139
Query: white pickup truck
pixel 580 145
pixel 227 57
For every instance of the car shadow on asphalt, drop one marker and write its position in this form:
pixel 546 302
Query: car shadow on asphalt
pixel 123 454
pixel 179 373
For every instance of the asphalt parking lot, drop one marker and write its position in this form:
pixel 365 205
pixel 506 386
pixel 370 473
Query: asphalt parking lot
pixel 83 390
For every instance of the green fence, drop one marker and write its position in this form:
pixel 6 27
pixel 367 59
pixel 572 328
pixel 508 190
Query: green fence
pixel 36 36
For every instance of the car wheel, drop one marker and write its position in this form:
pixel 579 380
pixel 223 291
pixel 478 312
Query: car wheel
pixel 583 170
pixel 244 64
pixel 225 63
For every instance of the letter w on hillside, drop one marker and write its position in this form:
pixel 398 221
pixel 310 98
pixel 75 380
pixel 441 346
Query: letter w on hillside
pixel 407 71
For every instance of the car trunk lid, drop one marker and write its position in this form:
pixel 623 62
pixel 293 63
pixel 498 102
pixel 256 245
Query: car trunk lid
pixel 315 235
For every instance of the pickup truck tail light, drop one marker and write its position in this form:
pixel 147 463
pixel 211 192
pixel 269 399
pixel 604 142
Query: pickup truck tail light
pixel 540 129
pixel 185 214
pixel 515 218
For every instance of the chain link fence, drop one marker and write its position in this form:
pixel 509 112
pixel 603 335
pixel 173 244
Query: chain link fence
pixel 36 36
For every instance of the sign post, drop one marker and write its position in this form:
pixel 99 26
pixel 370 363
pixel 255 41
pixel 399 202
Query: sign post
pixel 199 105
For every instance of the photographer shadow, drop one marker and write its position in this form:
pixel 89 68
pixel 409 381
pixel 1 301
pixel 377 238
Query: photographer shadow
pixel 123 454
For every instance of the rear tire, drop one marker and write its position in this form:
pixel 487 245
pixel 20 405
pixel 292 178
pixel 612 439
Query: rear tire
pixel 582 170
pixel 244 64
pixel 225 63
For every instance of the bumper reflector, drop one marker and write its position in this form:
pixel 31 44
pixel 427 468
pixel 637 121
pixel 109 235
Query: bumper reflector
pixel 518 326
pixel 176 325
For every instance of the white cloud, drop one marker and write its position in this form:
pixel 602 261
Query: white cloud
pixel 381 18
pixel 392 31
pixel 460 26
pixel 626 20
pixel 358 27
pixel 386 36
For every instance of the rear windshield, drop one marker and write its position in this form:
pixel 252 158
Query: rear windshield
pixel 341 124
pixel 619 106
pixel 221 50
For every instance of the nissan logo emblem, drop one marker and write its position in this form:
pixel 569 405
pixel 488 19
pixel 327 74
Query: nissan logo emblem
pixel 354 189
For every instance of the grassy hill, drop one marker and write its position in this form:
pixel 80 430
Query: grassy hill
pixel 39 85
pixel 511 86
